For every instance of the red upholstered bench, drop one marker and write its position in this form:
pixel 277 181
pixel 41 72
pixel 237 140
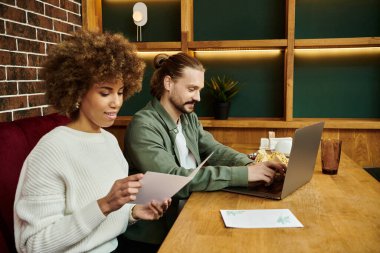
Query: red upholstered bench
pixel 17 139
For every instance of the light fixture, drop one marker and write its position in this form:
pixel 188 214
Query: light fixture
pixel 238 54
pixel 140 17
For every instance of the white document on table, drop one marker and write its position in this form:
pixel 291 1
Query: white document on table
pixel 160 186
pixel 263 218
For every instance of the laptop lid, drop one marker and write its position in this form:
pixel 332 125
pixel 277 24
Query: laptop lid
pixel 302 157
pixel 300 167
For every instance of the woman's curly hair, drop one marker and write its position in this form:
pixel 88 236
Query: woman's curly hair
pixel 85 59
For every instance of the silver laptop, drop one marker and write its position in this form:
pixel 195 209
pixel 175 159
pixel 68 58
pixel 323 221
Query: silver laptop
pixel 300 167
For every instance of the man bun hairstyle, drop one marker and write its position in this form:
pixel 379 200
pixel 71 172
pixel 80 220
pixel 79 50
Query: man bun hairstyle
pixel 172 66
pixel 159 60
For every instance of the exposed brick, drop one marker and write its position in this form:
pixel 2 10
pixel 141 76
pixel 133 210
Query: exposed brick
pixel 31 5
pixel 53 2
pixel 55 12
pixel 11 2
pixel 35 60
pixel 41 21
pixel 70 6
pixel 31 46
pixel 74 18
pixel 15 73
pixel 21 30
pixel 63 27
pixel 12 58
pixel 49 47
pixel 18 59
pixel 8 12
pixel 37 100
pixel 8 43
pixel 9 103
pixel 8 88
pixel 39 74
pixel 48 36
pixel 2 73
pixel 2 26
pixel 31 87
pixel 65 36
pixel 77 28
pixel 5 117
pixel 49 110
pixel 5 57
pixel 22 114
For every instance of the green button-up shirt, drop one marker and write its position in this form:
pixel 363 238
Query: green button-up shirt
pixel 150 146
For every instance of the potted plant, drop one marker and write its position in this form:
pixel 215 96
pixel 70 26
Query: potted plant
pixel 222 89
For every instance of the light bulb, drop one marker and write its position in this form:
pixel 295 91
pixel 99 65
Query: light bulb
pixel 137 16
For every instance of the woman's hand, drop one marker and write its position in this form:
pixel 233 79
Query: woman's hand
pixel 123 191
pixel 151 211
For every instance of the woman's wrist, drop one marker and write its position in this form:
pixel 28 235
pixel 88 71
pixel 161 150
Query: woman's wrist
pixel 104 207
pixel 132 215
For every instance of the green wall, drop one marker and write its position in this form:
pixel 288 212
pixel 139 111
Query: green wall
pixel 337 18
pixel 164 20
pixel 345 86
pixel 260 79
pixel 336 86
pixel 239 20
pixel 139 100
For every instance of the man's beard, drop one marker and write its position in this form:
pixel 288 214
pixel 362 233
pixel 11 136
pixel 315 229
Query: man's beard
pixel 181 107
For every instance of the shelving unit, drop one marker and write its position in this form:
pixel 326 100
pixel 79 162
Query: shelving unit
pixel 288 46
pixel 158 46
pixel 338 43
pixel 237 44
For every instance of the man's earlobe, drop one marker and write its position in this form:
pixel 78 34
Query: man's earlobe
pixel 167 82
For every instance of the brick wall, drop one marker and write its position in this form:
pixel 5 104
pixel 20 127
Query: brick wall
pixel 28 29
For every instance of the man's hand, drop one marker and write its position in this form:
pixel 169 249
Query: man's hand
pixel 265 171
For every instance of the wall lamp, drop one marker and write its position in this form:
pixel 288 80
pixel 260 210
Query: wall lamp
pixel 140 17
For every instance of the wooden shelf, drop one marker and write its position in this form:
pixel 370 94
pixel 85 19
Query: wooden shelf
pixel 92 20
pixel 209 122
pixel 338 42
pixel 238 44
pixel 158 46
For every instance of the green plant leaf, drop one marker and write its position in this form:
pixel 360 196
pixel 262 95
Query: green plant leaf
pixel 222 88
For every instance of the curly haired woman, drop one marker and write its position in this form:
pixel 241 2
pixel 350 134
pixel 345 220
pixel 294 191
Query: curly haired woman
pixel 74 188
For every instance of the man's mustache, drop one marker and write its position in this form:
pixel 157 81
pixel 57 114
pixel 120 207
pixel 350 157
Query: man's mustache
pixel 191 102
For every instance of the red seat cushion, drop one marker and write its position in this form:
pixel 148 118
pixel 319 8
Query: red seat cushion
pixel 17 139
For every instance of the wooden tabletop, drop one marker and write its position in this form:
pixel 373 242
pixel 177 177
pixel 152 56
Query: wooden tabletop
pixel 340 213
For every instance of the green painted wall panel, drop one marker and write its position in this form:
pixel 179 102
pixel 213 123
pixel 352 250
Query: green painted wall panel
pixel 239 20
pixel 337 18
pixel 261 81
pixel 164 20
pixel 346 86
pixel 139 100
pixel 337 87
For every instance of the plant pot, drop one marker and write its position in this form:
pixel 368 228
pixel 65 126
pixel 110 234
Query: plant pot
pixel 221 110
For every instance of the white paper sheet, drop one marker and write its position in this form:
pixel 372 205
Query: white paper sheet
pixel 159 186
pixel 264 218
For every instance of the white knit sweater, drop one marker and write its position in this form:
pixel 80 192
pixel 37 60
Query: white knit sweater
pixel 61 180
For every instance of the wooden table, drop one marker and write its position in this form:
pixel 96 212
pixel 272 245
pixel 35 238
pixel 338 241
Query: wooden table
pixel 340 213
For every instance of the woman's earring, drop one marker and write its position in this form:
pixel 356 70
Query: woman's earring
pixel 77 104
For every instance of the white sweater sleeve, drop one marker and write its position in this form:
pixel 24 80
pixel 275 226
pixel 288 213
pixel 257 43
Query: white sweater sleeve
pixel 41 207
pixel 56 207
